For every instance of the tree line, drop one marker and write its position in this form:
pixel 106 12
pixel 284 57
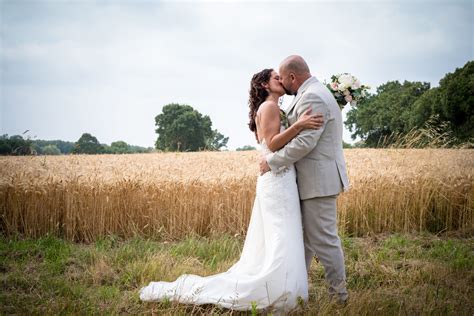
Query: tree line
pixel 397 113
pixel 412 114
pixel 416 111
pixel 182 128
pixel 179 128
pixel 86 144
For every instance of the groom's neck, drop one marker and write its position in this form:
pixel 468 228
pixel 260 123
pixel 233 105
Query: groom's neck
pixel 301 79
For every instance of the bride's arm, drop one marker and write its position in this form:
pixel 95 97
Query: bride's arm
pixel 269 119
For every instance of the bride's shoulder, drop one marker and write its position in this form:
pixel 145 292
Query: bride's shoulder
pixel 268 105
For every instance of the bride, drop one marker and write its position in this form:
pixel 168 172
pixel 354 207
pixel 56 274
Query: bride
pixel 271 271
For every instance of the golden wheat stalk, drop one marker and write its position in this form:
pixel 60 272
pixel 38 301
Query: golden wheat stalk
pixel 173 195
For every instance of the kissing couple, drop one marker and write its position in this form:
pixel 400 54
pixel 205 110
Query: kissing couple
pixel 302 171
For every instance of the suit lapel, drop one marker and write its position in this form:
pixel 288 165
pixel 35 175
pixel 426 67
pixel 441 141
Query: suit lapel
pixel 300 93
pixel 293 103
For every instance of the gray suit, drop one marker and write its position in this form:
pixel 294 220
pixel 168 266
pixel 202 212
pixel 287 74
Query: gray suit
pixel 321 176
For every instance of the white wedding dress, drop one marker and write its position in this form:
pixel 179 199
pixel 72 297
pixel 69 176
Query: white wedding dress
pixel 271 271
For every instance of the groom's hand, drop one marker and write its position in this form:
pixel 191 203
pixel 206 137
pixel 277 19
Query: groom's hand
pixel 264 167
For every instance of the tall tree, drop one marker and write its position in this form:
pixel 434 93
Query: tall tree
pixel 455 101
pixel 16 145
pixel 182 128
pixel 399 108
pixel 5 145
pixel 216 141
pixel 388 111
pixel 119 147
pixel 88 144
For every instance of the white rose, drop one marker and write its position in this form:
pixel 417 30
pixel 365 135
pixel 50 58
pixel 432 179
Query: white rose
pixel 356 84
pixel 346 79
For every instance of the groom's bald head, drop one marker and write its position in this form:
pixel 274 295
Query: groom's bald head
pixel 295 64
pixel 293 72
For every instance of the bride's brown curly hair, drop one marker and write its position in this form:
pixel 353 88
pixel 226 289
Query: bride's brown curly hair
pixel 257 94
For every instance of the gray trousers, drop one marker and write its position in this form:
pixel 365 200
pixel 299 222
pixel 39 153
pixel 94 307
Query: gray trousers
pixel 321 239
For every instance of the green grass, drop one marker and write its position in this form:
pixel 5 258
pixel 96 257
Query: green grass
pixel 387 275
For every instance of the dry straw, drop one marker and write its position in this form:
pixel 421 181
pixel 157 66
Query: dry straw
pixel 173 195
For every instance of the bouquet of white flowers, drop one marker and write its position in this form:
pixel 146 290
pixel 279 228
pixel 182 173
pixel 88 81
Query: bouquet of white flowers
pixel 347 89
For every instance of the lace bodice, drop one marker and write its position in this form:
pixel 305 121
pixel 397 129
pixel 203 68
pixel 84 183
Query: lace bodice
pixel 264 150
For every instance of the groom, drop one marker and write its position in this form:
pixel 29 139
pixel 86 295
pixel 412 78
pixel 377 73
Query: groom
pixel 321 170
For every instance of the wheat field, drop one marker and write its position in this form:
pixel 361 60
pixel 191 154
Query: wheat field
pixel 174 195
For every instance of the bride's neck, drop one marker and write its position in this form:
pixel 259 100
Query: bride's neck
pixel 272 97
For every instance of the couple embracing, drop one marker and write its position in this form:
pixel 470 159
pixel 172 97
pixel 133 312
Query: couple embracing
pixel 294 213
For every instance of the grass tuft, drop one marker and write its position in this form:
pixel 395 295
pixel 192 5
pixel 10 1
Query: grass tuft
pixel 387 274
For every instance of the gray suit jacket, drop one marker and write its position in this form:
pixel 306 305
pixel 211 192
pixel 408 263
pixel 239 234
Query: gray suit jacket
pixel 317 154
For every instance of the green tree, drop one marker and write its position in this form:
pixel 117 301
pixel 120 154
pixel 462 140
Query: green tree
pixel 182 128
pixel 5 145
pixel 139 149
pixel 64 146
pixel 216 141
pixel 388 111
pixel 425 107
pixel 16 145
pixel 120 147
pixel 246 147
pixel 50 150
pixel 88 144
pixel 452 101
pixel 402 108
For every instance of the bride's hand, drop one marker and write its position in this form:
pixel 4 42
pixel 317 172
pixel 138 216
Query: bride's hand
pixel 309 121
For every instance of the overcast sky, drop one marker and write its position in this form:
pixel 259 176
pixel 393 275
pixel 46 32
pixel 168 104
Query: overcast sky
pixel 108 67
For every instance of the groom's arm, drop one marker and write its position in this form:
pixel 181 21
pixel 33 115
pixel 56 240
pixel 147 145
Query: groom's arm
pixel 305 141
